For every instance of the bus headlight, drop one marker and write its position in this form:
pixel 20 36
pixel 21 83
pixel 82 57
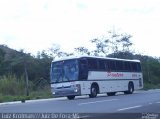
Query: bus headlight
pixel 76 88
pixel 53 93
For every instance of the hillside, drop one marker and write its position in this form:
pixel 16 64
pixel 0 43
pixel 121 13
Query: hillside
pixel 8 53
pixel 12 61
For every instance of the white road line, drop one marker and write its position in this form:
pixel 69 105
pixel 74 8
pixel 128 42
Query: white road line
pixel 38 100
pixel 129 108
pixel 5 103
pixel 81 117
pixel 86 103
pixel 157 102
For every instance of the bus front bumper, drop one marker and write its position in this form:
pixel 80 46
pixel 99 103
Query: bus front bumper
pixel 63 91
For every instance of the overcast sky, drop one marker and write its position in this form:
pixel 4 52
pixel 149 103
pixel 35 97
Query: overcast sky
pixel 34 25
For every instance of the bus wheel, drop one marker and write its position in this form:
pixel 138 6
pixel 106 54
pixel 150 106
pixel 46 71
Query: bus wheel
pixel 93 91
pixel 71 97
pixel 111 94
pixel 130 88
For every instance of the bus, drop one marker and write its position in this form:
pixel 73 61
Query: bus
pixel 87 75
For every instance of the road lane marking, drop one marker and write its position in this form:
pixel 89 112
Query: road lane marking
pixel 127 108
pixel 157 102
pixel 81 117
pixel 86 103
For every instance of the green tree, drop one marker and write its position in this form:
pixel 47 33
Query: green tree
pixel 82 51
pixel 120 43
pixel 2 55
pixel 101 47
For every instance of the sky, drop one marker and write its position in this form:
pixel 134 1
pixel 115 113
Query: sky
pixel 35 25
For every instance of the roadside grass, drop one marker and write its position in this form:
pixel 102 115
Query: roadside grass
pixel 40 94
pixel 148 86
pixel 14 89
pixel 33 95
pixel 11 85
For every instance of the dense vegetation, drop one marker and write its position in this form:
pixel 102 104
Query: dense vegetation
pixel 23 75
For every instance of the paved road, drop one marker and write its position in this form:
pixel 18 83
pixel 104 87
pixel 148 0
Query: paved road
pixel 141 102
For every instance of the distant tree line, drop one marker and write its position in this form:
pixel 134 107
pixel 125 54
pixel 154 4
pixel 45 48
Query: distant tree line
pixel 37 68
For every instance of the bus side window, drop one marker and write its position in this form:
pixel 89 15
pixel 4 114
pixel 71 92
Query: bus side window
pixel 101 65
pixel 92 64
pixel 138 67
pixel 83 69
pixel 127 66
pixel 119 66
pixel 112 65
pixel 134 66
pixel 107 66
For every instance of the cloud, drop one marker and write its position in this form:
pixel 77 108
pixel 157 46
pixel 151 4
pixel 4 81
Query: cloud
pixel 38 24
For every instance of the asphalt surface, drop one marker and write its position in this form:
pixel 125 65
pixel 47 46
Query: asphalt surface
pixel 138 105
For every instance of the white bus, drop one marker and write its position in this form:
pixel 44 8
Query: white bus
pixel 87 75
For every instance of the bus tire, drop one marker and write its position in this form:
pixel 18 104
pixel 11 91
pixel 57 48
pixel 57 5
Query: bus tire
pixel 94 91
pixel 130 88
pixel 71 97
pixel 111 94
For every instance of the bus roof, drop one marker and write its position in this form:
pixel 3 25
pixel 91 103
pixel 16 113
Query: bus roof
pixel 97 57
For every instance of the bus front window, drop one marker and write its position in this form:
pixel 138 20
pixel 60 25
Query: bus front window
pixel 56 73
pixel 70 72
pixel 64 71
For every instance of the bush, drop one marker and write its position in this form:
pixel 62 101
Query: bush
pixel 151 86
pixel 1 99
pixel 43 93
pixel 10 85
pixel 13 89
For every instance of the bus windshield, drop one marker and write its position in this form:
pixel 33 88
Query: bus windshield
pixel 63 71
